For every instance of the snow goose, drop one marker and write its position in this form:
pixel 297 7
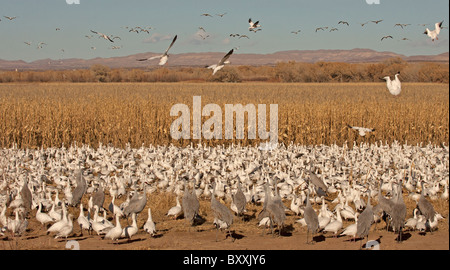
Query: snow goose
pixel 362 131
pixel 434 34
pixel 115 232
pixel 149 225
pixel 163 57
pixel 253 25
pixel 67 229
pixel 350 230
pixel 221 63
pixel 43 218
pixel 412 222
pixel 420 225
pixel 10 18
pixel 394 86
pixel 130 230
pixel 335 225
pixel 295 205
pixel 58 225
pixel 53 213
pixel 83 221
pixel 175 210
pixel 97 225
pixel 114 208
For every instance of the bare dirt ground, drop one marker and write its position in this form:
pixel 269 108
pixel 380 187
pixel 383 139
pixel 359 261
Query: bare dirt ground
pixel 176 235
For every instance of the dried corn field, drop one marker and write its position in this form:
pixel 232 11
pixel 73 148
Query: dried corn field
pixel 45 115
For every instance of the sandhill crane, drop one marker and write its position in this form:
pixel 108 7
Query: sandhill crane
pixel 377 21
pixel 190 205
pixel 362 24
pixel 398 214
pixel 362 131
pixel 311 219
pixel 102 36
pixel 317 182
pixel 98 198
pixel 384 205
pixel 425 207
pixel 221 15
pixel 273 208
pixel 136 204
pixel 365 220
pixel 221 63
pixel 80 189
pixel 239 199
pixel 163 57
pixel 394 86
pixel 434 34
pixel 27 197
pixel 206 15
pixel 223 217
pixel 386 37
pixel 344 22
pixel 296 32
pixel 402 24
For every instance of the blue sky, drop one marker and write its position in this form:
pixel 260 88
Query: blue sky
pixel 37 22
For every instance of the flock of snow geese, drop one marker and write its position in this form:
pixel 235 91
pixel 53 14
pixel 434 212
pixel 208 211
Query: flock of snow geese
pixel 56 180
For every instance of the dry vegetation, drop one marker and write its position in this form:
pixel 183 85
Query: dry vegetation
pixel 281 72
pixel 52 114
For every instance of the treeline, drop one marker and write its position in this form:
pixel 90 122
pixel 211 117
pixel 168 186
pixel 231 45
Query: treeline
pixel 281 72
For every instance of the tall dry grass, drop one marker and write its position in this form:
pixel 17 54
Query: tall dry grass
pixel 52 114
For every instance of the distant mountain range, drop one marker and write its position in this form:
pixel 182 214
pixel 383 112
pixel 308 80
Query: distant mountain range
pixel 208 58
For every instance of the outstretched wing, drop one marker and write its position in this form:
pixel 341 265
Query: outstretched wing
pixel 171 44
pixel 225 58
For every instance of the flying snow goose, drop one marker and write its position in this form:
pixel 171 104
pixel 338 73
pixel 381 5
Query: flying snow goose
pixel 394 86
pixel 434 34
pixel 222 62
pixel 102 35
pixel 164 57
pixel 362 130
pixel 10 18
pixel 253 25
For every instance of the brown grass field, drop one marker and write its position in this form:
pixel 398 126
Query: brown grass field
pixel 46 115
